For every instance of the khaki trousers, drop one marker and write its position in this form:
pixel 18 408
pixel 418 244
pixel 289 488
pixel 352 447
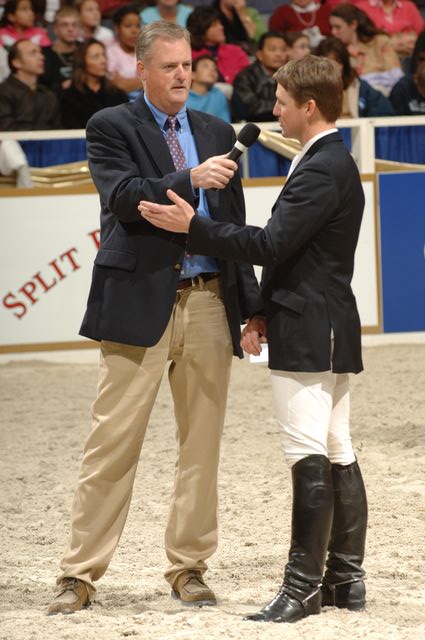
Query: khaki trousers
pixel 197 342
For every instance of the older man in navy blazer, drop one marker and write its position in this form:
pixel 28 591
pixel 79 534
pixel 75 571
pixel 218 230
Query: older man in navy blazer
pixel 313 329
pixel 151 303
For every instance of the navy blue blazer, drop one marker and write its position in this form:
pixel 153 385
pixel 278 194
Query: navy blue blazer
pixel 307 248
pixel 137 267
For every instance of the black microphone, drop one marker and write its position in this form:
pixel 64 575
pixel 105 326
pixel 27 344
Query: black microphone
pixel 247 136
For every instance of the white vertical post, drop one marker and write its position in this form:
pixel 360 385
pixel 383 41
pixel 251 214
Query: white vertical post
pixel 363 145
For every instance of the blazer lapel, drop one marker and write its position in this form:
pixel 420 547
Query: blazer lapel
pixel 151 137
pixel 332 137
pixel 206 145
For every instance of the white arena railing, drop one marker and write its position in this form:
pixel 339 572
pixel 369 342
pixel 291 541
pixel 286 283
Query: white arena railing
pixel 362 136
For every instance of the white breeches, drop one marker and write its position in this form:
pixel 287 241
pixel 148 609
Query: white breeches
pixel 313 411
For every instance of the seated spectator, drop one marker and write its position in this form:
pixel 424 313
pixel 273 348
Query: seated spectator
pixel 203 95
pixel 121 55
pixel 58 58
pixel 170 10
pixel 18 23
pixel 26 105
pixel 371 52
pixel 208 39
pixel 254 88
pixel 309 16
pixel 90 18
pixel 400 18
pixel 90 90
pixel 297 43
pixel 408 95
pixel 242 25
pixel 360 98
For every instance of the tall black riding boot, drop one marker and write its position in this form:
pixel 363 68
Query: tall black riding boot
pixel 312 510
pixel 343 584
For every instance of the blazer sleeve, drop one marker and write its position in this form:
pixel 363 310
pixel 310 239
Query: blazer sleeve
pixel 305 206
pixel 117 175
pixel 249 297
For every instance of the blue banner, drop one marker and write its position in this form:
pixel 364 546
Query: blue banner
pixel 402 222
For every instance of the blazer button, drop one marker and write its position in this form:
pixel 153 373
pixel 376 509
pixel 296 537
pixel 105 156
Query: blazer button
pixel 177 266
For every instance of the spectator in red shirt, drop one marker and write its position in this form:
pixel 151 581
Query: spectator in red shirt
pixel 18 23
pixel 308 16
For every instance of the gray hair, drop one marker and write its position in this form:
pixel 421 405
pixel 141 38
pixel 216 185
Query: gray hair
pixel 159 29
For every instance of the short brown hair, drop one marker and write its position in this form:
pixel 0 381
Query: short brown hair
pixel 160 29
pixel 313 78
pixel 66 11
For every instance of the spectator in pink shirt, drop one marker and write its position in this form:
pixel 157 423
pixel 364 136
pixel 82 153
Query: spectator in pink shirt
pixel 400 18
pixel 207 34
pixel 18 22
pixel 121 55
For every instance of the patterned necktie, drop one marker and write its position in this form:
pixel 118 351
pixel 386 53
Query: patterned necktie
pixel 179 163
pixel 174 145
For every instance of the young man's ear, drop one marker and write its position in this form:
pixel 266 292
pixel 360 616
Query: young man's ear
pixel 310 107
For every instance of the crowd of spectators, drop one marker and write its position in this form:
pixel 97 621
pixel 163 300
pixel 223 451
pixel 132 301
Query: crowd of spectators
pixel 62 60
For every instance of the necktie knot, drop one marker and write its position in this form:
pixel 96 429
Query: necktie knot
pixel 172 123
pixel 174 145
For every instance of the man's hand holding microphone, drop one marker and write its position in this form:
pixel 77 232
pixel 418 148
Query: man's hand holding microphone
pixel 214 173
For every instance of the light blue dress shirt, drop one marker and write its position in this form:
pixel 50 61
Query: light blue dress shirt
pixel 193 264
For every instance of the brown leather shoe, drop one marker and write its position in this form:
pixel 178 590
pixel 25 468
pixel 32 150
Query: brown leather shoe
pixel 191 590
pixel 72 595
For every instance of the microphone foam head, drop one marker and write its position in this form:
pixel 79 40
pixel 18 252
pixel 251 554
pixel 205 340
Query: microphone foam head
pixel 248 134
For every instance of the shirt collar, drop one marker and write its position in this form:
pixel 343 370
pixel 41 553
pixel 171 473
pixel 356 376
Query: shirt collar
pixel 161 117
pixel 315 138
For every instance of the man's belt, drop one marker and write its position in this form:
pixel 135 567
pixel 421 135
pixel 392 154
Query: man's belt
pixel 185 283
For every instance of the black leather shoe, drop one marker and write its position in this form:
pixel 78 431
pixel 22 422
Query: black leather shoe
pixel 349 595
pixel 283 608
